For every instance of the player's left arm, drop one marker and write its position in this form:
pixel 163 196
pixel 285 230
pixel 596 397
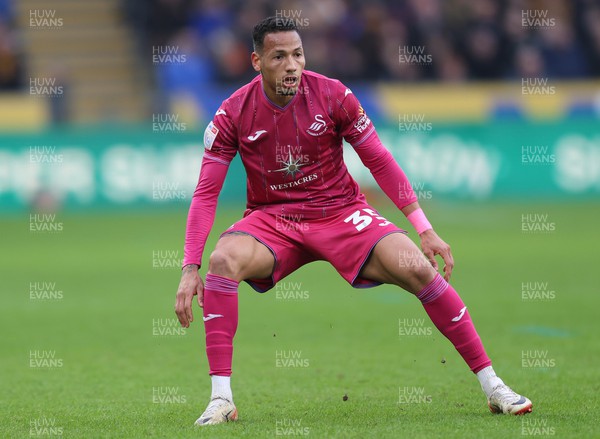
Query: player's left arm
pixel 358 130
pixel 431 244
pixel 393 181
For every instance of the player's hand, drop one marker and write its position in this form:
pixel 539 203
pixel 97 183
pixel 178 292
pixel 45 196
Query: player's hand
pixel 433 245
pixel 191 285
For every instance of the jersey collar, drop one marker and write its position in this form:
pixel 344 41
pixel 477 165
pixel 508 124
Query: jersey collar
pixel 273 104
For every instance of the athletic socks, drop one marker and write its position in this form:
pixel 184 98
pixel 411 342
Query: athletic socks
pixel 220 322
pixel 441 302
pixel 488 380
pixel 449 314
pixel 221 387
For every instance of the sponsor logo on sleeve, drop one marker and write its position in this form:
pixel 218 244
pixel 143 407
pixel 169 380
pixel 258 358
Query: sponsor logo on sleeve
pixel 210 134
pixel 363 120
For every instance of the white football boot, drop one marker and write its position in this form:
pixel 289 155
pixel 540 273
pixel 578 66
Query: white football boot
pixel 219 410
pixel 504 400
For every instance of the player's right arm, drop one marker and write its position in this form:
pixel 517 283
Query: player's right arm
pixel 220 148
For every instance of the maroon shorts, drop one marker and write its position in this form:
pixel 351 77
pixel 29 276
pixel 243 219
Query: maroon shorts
pixel 344 240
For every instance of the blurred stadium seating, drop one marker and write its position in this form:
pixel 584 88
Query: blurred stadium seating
pixel 112 68
pixel 103 51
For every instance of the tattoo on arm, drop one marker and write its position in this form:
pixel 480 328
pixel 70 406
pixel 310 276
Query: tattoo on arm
pixel 190 267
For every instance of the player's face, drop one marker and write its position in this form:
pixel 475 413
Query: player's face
pixel 281 63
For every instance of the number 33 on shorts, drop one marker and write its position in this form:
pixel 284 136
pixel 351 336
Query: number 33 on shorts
pixel 361 221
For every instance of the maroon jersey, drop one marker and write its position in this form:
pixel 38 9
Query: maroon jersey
pixel 293 155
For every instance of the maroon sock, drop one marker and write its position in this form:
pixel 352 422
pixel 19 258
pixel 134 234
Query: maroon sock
pixel 220 322
pixel 449 314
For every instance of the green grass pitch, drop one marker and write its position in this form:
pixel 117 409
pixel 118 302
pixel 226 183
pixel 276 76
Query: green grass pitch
pixel 96 352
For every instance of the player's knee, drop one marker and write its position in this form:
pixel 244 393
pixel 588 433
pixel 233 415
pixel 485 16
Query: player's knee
pixel 419 276
pixel 223 262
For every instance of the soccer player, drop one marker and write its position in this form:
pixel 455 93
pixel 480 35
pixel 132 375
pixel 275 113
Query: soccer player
pixel 287 125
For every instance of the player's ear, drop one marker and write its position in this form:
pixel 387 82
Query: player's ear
pixel 255 58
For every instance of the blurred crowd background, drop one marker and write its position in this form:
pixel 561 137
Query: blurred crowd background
pixel 11 62
pixel 354 39
pixel 357 40
pixel 138 80
pixel 104 54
